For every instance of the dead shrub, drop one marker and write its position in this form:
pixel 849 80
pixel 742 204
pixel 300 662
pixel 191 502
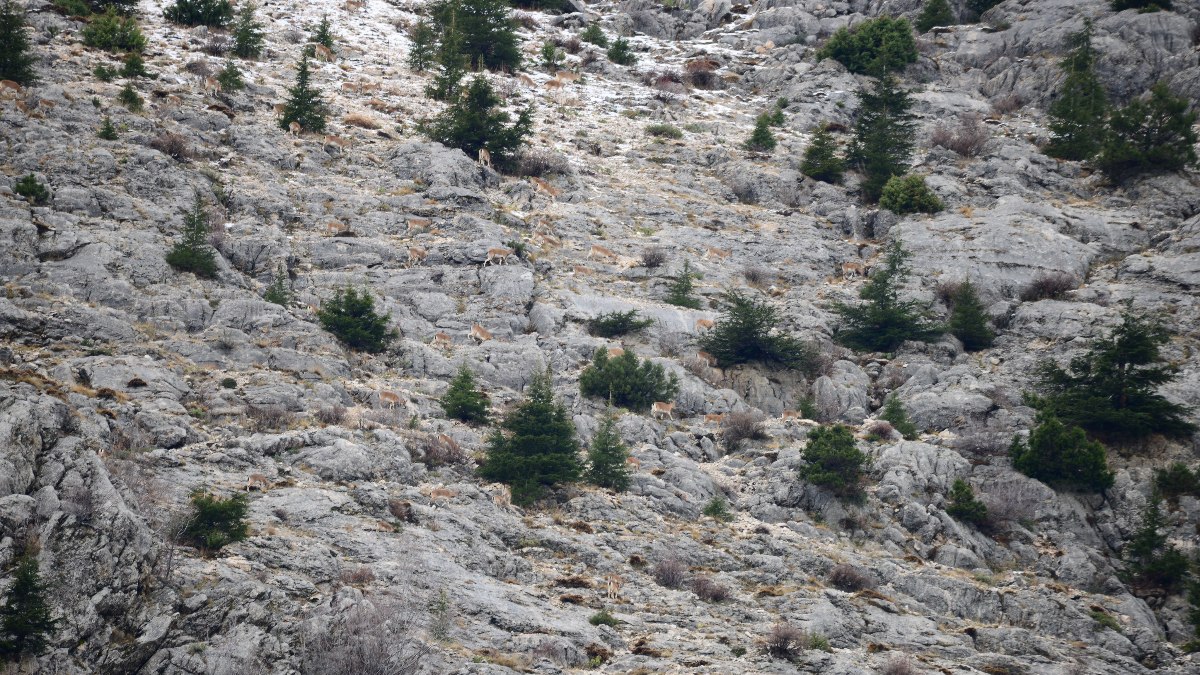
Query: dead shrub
pixel 128 440
pixel 173 146
pixel 366 640
pixel 756 276
pixel 696 366
pixel 670 573
pixel 1010 501
pixel 572 45
pixel 701 73
pixel 267 418
pixel 899 665
pixel 983 443
pixel 525 20
pixel 543 164
pixel 849 578
pixel 946 290
pixel 199 68
pixel 653 258
pixel 881 430
pixel 331 414
pixel 1008 104
pixel 672 344
pixel 708 590
pixel 785 641
pixel 739 427
pixel 442 450
pixel 358 576
pixel 402 510
pixel 80 502
pixel 362 121
pixel 218 44
pixel 1049 286
pixel 968 139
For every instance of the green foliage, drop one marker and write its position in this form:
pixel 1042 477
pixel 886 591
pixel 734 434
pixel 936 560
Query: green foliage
pixel 350 315
pixel 424 43
pixel 474 122
pixel 968 322
pixel 105 74
pixel 535 446
pixel 74 7
pixel 895 414
pixel 323 34
pixel 1105 619
pixel 451 63
pixel 230 77
pixel 680 292
pixel 747 331
pixel 621 53
pixel 833 460
pixel 248 34
pixel 594 35
pixel 216 522
pixel 1077 115
pixel 107 132
pixel 1061 456
pixel 1150 135
pixel 1111 390
pixel 192 252
pixel 33 191
pixel 627 381
pixel 213 13
pixel 717 509
pixel 761 139
pixel 607 466
pixel 113 32
pixel 489 38
pixel 883 135
pixel 963 504
pixel 1150 561
pixel 1193 598
pixel 664 130
pixel 463 400
pixel 873 47
pixel 934 13
pixel 25 623
pixel 551 56
pixel 279 292
pixel 909 194
pixel 1143 6
pixel 134 66
pixel 884 321
pixel 129 97
pixel 821 160
pixel 16 61
pixel 603 618
pixel 304 105
pixel 228 383
pixel 1176 481
pixel 615 324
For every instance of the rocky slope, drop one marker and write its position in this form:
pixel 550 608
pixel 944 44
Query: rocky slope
pixel 115 405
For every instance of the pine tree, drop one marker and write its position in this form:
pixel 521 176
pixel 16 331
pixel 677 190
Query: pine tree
pixel 350 315
pixel 594 35
pixel 16 61
pixel 323 35
pixel 25 623
pixel 680 293
pixel 747 331
pixel 627 381
pixel 1061 456
pixel 451 63
pixel 621 53
pixel 216 522
pixel 551 56
pixel 968 322
pixel 230 77
pixel 607 466
pixel 1150 135
pixel 761 139
pixel 130 98
pixel 1112 389
pixel 474 122
pixel 1152 561
pixel 821 161
pixel 895 414
pixel 247 33
pixel 963 504
pixel 304 105
pixel 107 132
pixel 883 135
pixel 873 47
pixel 1077 115
pixel 214 13
pixel 934 13
pixel 463 400
pixel 192 253
pixel 833 460
pixel 424 41
pixel 279 292
pixel 489 38
pixel 535 446
pixel 134 66
pixel 885 321
pixel 909 194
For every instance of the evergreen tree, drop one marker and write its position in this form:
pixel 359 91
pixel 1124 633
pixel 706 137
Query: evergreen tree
pixel 627 381
pixel 216 522
pixel 424 42
pixel 192 252
pixel 134 66
pixel 451 63
pixel 107 132
pixel 247 33
pixel 607 466
pixel 761 140
pixel 113 32
pixel 16 61
pixel 304 105
pixel 833 460
pixel 895 414
pixel 323 35
pixel 873 47
pixel 25 623
pixel 821 161
pixel 350 315
pixel 1061 456
pixel 214 13
pixel 551 56
pixel 474 122
pixel 934 13
pixel 32 190
pixel 1112 389
pixel 463 400
pixel 594 35
pixel 130 98
pixel 489 38
pixel 1151 561
pixel 885 321
pixel 717 509
pixel 621 53
pixel 1150 135
pixel 1077 115
pixel 1140 5
pixel 230 77
pixel 535 446
pixel 747 331
pixel 963 504
pixel 978 7
pixel 909 194
pixel 883 135
pixel 968 322
pixel 279 292
pixel 680 292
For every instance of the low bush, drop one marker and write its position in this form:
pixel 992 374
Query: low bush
pixel 739 427
pixel 215 522
pixel 909 194
pixel 113 32
pixel 442 450
pixel 670 573
pixel 1176 481
pixel 717 509
pixel 32 190
pixel 129 98
pixel 627 381
pixel 895 414
pixel 616 324
pixel 708 590
pixel 542 164
pixel 785 641
pixel 934 13
pixel 1049 286
pixel 621 53
pixel 968 139
pixel 653 258
pixel 350 315
pixel 369 639
pixel 594 35
pixel 849 578
pixel 172 145
pixel 331 414
pixel 603 618
pixel 664 131
pixel 268 418
pixel 964 506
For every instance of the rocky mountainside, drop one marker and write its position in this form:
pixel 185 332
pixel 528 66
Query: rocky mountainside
pixel 126 385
